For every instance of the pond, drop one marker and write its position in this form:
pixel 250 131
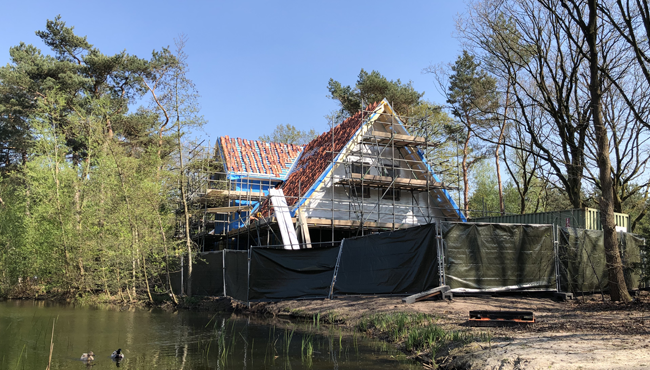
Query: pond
pixel 155 339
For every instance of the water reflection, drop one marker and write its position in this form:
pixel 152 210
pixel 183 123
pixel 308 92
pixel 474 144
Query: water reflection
pixel 183 340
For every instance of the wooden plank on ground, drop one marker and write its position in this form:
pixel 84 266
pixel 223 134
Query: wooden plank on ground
pixel 426 294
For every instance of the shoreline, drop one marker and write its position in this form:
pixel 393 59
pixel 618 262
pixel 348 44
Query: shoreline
pixel 585 332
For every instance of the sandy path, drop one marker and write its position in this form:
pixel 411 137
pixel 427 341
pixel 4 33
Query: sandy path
pixel 557 351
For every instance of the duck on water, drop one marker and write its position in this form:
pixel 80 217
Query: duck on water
pixel 90 356
pixel 87 356
pixel 117 355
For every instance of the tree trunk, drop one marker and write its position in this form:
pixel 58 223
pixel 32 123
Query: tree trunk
pixel 57 183
pixel 502 206
pixel 617 286
pixel 146 278
pixel 643 212
pixel 618 202
pixel 465 173
pixel 169 279
pixel 135 250
pixel 77 214
pixel 188 240
pixel 28 193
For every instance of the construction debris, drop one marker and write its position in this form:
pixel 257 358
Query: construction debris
pixel 441 290
pixel 498 318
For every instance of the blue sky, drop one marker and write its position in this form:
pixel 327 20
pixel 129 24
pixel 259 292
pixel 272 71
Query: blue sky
pixel 258 64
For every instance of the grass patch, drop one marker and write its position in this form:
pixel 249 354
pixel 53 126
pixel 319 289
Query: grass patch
pixel 416 332
pixel 334 317
pixel 395 325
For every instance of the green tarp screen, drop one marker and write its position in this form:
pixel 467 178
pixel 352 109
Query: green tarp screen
pixel 582 260
pixel 494 256
pixel 399 262
pixel 631 246
pixel 237 274
pixel 290 274
pixel 207 274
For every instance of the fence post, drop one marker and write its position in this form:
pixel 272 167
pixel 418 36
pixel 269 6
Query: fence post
pixel 182 277
pixel 248 280
pixel 441 254
pixel 645 266
pixel 556 249
pixel 336 270
pixel 223 270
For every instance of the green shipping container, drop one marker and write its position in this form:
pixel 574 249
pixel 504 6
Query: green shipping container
pixel 586 218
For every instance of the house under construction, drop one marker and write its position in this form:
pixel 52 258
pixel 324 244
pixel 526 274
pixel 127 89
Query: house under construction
pixel 365 175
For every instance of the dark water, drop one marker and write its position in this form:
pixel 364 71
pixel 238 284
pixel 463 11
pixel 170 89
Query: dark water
pixel 182 340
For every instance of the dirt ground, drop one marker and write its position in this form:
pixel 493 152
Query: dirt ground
pixel 585 333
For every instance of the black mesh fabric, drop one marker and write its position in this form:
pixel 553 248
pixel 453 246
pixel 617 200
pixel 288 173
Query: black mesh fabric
pixel 477 256
pixel 207 274
pixel 289 274
pixel 237 274
pixel 398 262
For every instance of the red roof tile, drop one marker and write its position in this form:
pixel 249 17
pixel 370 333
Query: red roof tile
pixel 316 156
pixel 258 157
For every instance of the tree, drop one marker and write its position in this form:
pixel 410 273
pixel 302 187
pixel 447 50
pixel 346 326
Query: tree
pixel 432 122
pixel 484 199
pixel 15 135
pixel 499 133
pixel 289 134
pixel 471 95
pixel 630 150
pixel 182 99
pixel 631 19
pixel 521 45
pixel 591 32
pixel 523 166
pixel 370 88
pixel 564 65
pixel 86 210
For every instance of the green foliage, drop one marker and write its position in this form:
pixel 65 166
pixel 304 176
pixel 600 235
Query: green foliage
pixel 87 193
pixel 472 92
pixel 396 325
pixel 433 337
pixel 484 199
pixel 289 134
pixel 430 121
pixel 370 88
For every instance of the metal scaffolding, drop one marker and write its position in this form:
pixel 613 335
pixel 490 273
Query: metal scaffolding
pixel 381 181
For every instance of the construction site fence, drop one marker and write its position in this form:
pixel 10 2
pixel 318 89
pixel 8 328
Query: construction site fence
pixel 469 257
pixel 585 268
